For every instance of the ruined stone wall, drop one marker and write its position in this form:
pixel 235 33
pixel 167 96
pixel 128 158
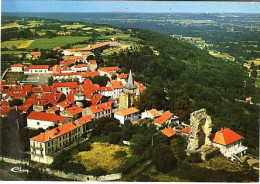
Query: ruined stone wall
pixel 200 130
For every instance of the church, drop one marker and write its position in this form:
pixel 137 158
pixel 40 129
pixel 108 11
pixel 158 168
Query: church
pixel 129 93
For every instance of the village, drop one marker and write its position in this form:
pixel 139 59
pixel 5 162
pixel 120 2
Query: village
pixel 65 110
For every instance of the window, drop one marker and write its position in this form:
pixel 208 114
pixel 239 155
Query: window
pixel 38 123
pixel 40 70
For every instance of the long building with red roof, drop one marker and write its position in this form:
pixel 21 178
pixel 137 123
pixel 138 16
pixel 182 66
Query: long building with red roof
pixel 45 144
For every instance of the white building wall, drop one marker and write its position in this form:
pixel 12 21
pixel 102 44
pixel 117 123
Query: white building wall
pixel 120 118
pixel 35 124
pixel 16 69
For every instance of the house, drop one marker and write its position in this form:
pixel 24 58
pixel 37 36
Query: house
pixel 99 111
pixel 168 132
pixel 106 91
pixel 73 112
pixel 152 114
pixel 85 121
pixel 186 131
pixel 17 68
pixel 229 143
pixel 38 69
pixel 43 120
pixel 65 87
pixel 117 87
pixel 70 52
pixel 33 55
pixel 92 64
pixel 130 114
pixel 83 54
pixel 166 119
pixel 122 77
pixel 108 71
pixel 45 144
pixel 80 68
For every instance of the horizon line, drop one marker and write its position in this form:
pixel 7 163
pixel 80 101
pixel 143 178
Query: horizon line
pixel 149 12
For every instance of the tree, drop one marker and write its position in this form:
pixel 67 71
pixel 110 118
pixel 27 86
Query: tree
pixel 100 80
pixel 73 167
pixel 114 138
pixel 50 81
pixel 139 143
pixel 163 158
pixel 114 77
pixel 178 146
pixel 98 171
pixel 16 102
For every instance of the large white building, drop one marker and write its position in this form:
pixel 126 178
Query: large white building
pixel 130 114
pixel 229 143
pixel 44 120
pixel 45 144
pixel 38 69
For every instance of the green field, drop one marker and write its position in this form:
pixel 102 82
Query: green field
pixel 50 43
pixel 17 43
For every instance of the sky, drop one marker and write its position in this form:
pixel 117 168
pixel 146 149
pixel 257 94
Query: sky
pixel 128 6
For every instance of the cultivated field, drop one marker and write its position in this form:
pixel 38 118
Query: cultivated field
pixel 101 155
pixel 60 41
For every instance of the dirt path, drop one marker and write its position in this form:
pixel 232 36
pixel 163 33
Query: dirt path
pixel 135 171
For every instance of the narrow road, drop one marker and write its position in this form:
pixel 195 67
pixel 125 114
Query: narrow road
pixel 135 171
pixel 5 175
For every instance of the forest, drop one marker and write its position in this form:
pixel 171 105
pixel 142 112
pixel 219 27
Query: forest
pixel 183 78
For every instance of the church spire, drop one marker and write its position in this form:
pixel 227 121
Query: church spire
pixel 130 82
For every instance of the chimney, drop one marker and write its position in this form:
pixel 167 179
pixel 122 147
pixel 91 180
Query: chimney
pixel 16 108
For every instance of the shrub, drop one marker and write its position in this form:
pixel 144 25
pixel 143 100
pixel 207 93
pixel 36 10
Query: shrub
pixel 114 138
pixel 120 154
pixel 98 171
pixel 86 146
pixel 60 160
pixel 212 154
pixel 73 167
pixel 130 163
pixel 194 158
pixel 163 158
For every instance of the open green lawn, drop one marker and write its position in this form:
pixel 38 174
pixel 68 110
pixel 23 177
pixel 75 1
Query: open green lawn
pixel 101 155
pixel 59 41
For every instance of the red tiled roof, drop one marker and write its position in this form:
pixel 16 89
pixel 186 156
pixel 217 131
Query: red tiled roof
pixel 95 99
pixel 128 111
pixel 92 62
pixel 4 103
pixel 89 74
pixel 154 113
pixel 163 118
pixel 4 110
pixel 35 53
pixel 99 45
pixel 169 132
pixel 85 119
pixel 140 86
pixel 116 85
pixel 225 137
pixel 38 67
pixel 74 110
pixel 66 84
pixel 123 76
pixel 81 65
pixel 16 65
pixel 46 117
pixel 55 132
pixel 101 107
pixel 105 89
pixel 186 130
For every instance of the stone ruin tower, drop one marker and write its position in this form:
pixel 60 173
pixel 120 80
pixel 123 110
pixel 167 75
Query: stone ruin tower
pixel 200 130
